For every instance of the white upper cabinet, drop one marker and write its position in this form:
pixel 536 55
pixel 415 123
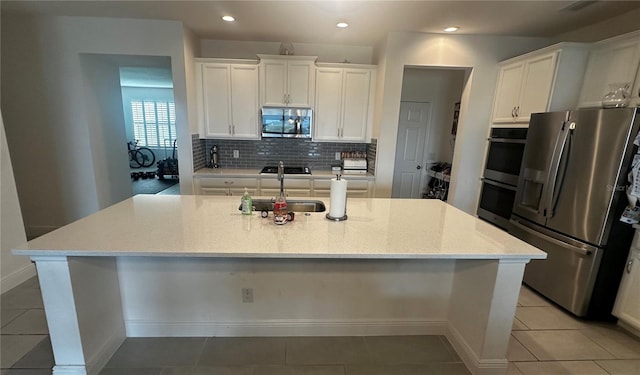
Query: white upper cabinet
pixel 344 103
pixel 287 81
pixel 544 80
pixel 523 88
pixel 612 61
pixel 228 99
pixel 508 92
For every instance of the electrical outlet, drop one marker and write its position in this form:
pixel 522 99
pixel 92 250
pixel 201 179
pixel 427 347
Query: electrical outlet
pixel 236 154
pixel 247 295
pixel 337 156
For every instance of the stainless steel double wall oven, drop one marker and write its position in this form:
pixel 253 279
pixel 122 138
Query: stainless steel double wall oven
pixel 500 178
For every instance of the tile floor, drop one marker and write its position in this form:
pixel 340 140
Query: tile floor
pixel 545 341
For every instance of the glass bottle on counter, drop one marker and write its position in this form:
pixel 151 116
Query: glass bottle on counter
pixel 280 210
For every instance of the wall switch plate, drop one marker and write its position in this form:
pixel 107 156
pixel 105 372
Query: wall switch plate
pixel 236 154
pixel 337 156
pixel 247 295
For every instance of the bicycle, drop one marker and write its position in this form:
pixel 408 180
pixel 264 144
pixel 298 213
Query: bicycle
pixel 140 157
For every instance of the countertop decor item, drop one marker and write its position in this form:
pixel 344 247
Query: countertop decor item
pixel 617 97
pixel 338 199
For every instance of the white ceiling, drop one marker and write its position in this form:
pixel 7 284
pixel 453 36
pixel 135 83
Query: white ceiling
pixel 314 21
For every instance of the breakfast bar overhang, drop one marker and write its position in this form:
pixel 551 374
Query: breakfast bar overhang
pixel 161 265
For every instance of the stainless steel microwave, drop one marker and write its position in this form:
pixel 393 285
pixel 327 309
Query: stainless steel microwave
pixel 278 122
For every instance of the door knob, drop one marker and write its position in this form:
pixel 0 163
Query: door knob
pixel 419 167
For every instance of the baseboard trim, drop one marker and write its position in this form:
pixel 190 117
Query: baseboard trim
pixel 96 363
pixel 285 328
pixel 69 370
pixel 470 358
pixel 629 328
pixel 17 277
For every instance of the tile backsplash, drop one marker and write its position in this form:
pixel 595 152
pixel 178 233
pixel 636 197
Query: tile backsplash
pixel 269 151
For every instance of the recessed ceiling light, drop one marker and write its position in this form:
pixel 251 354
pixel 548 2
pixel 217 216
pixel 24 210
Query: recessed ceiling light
pixel 228 18
pixel 342 24
pixel 452 29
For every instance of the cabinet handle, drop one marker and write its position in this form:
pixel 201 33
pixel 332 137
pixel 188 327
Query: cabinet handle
pixel 518 111
pixel 230 130
pixel 233 130
pixel 513 112
pixel 629 264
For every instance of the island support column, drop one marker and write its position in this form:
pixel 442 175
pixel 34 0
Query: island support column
pixel 481 311
pixel 82 304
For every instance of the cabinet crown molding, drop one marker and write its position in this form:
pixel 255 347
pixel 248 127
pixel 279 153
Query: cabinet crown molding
pixel 215 60
pixel 287 57
pixel 552 48
pixel 346 66
pixel 618 38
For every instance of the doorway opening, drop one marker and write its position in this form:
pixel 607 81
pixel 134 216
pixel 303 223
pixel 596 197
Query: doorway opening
pixel 150 127
pixel 427 127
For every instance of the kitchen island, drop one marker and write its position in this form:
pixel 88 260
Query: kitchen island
pixel 187 265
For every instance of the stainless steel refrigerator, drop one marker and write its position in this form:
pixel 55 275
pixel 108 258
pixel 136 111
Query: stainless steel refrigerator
pixel 571 193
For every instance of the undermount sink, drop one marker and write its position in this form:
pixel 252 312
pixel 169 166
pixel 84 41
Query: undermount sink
pixel 295 205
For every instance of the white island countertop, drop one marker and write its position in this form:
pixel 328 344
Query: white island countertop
pixel 204 226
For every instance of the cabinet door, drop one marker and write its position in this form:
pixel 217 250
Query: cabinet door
pixel 615 63
pixel 508 92
pixel 214 191
pixel 627 306
pixel 244 101
pixel 275 82
pixel 299 84
pixel 536 86
pixel 355 104
pixel 216 101
pixel 327 123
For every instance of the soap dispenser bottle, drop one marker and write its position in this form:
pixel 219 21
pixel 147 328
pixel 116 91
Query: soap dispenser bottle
pixel 246 203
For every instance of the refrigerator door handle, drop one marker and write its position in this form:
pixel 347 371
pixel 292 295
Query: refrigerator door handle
pixel 582 250
pixel 549 186
pixel 562 163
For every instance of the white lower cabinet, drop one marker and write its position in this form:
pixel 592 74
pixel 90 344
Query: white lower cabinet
pixel 627 307
pixel 226 186
pixel 292 187
pixel 270 186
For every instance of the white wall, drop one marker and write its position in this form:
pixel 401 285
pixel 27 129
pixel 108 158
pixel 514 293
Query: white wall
pixel 481 53
pixel 13 269
pixel 442 88
pixel 105 120
pixel 329 53
pixel 202 297
pixel 45 108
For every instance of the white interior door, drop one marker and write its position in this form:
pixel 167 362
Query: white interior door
pixel 412 138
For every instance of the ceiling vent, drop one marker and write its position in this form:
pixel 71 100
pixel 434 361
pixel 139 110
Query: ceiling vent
pixel 578 5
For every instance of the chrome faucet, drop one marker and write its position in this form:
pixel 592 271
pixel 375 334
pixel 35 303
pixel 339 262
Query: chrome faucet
pixel 281 177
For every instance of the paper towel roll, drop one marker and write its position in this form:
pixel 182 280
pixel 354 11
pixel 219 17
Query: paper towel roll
pixel 338 198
